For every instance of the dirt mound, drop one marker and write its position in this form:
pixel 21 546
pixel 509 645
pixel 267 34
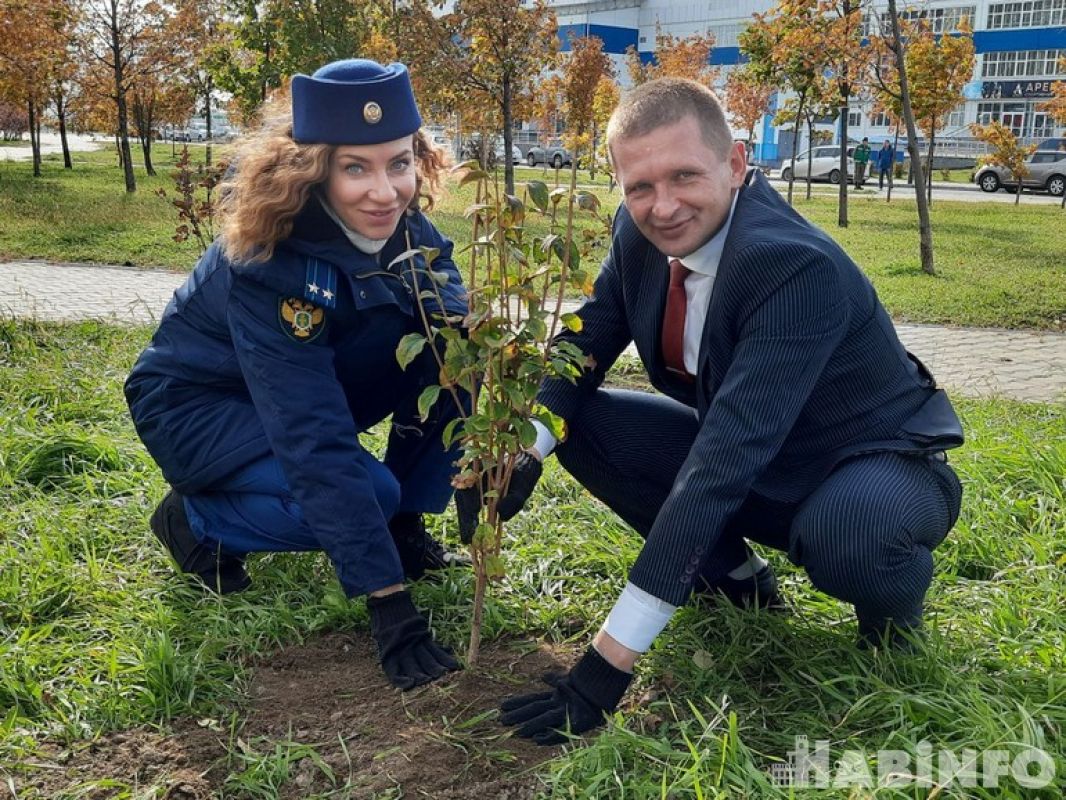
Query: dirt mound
pixel 321 718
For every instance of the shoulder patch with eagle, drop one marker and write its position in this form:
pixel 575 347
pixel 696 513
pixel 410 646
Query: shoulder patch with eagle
pixel 301 320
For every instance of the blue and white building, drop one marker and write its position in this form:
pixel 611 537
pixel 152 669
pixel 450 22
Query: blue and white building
pixel 1019 44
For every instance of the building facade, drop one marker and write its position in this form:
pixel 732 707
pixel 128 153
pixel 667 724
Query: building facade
pixel 1019 46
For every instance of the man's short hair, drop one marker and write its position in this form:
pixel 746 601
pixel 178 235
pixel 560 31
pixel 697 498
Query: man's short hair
pixel 665 101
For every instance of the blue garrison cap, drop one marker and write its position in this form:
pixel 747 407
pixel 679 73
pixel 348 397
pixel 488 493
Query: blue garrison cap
pixel 355 101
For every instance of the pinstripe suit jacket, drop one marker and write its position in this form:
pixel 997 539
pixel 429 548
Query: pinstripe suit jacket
pixel 799 368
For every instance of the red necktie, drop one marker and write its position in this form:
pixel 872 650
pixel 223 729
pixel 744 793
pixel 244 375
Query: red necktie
pixel 674 319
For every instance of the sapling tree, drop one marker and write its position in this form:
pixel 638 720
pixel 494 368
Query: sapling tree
pixel 493 360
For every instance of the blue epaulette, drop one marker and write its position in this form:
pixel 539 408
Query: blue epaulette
pixel 320 283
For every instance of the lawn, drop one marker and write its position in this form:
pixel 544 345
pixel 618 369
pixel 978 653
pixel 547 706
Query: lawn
pixel 103 648
pixel 999 266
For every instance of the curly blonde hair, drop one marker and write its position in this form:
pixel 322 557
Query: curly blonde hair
pixel 276 176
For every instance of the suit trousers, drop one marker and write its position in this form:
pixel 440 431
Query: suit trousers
pixel 864 536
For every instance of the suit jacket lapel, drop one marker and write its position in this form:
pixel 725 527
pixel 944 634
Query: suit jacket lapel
pixel 655 281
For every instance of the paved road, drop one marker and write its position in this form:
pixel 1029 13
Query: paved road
pixel 972 361
pixel 942 190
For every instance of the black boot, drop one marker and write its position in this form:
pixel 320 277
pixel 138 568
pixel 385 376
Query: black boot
pixel 420 552
pixel 756 591
pixel 219 571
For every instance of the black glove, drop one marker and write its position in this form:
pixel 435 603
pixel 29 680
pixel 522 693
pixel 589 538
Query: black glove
pixel 581 698
pixel 527 471
pixel 406 649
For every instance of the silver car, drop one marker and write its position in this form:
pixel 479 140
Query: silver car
pixel 1047 172
pixel 554 154
pixel 825 164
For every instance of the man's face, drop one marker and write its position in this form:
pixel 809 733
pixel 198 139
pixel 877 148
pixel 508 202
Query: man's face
pixel 677 189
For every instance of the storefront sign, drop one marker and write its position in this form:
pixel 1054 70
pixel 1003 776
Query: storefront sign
pixel 1016 89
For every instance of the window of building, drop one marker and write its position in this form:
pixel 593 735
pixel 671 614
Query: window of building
pixel 1027 14
pixel 1012 115
pixel 880 120
pixel 941 20
pixel 1043 125
pixel 854 117
pixel 956 117
pixel 1022 63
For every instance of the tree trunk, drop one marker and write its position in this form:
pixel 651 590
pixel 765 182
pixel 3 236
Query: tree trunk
pixel 932 147
pixel 61 115
pixel 795 145
pixel 810 153
pixel 35 138
pixel 842 191
pixel 207 116
pixel 1018 193
pixel 480 581
pixel 120 101
pixel 146 147
pixel 508 136
pixel 925 228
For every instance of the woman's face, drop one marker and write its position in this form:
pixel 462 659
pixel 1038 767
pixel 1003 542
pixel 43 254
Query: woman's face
pixel 370 185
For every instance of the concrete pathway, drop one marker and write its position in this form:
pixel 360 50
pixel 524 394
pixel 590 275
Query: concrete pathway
pixel 972 361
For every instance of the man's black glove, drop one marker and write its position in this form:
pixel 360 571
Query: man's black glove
pixel 581 698
pixel 527 471
pixel 406 649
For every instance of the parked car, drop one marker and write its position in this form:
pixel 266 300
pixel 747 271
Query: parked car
pixel 555 154
pixel 1047 172
pixel 824 166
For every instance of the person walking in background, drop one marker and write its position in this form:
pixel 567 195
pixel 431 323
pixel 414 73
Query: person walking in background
pixel 886 158
pixel 279 350
pixel 862 158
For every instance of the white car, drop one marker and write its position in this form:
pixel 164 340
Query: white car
pixel 825 164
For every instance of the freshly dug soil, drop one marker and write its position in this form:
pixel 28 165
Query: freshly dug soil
pixel 369 740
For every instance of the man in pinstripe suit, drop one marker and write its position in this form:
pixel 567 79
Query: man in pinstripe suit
pixel 789 413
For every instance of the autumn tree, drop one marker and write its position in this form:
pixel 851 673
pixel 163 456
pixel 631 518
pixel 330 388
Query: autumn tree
pixel 1056 106
pixel 583 69
pixel 784 53
pixel 13 121
pixel 545 107
pixel 938 68
pixel 483 56
pixel 840 41
pixel 604 101
pixel 1006 152
pixel 265 42
pixel 32 52
pixel 123 39
pixel 747 101
pixel 675 57
pixel 894 42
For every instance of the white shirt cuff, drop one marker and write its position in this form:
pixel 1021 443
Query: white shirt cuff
pixel 637 618
pixel 546 441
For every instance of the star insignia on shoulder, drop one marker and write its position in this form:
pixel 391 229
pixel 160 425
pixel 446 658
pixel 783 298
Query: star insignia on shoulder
pixel 326 293
pixel 312 288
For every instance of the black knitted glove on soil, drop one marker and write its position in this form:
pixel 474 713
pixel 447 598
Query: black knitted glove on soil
pixel 527 471
pixel 581 698
pixel 406 649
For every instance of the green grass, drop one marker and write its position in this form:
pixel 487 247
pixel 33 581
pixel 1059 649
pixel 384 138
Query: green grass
pixel 97 634
pixel 998 265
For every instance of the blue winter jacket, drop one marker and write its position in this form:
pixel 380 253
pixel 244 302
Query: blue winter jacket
pixel 293 357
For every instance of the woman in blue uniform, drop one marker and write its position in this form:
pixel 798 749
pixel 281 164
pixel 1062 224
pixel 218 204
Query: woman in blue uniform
pixel 280 349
